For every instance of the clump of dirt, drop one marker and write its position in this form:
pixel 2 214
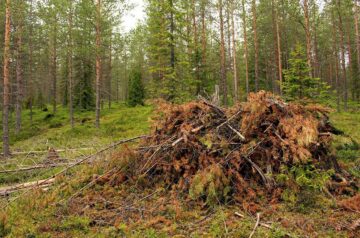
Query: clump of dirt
pixel 213 153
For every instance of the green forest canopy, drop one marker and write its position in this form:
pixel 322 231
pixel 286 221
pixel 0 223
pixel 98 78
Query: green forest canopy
pixel 73 52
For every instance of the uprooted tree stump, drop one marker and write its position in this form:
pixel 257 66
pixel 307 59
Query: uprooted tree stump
pixel 204 151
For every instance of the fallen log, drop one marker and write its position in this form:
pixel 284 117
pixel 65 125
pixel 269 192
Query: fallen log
pixel 40 166
pixel 46 151
pixel 15 188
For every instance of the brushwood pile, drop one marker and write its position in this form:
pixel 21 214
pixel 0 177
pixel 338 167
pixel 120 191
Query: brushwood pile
pixel 204 151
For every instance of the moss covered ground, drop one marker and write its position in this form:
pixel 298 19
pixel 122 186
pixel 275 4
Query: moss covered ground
pixel 149 213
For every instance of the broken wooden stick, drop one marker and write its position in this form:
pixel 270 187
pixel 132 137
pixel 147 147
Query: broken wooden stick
pixel 41 166
pixel 256 225
pixel 14 188
pixel 242 138
pixel 46 151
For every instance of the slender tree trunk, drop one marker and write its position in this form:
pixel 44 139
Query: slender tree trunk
pixel 336 59
pixel 70 64
pixel 350 58
pixel 222 55
pixel 30 79
pixel 278 46
pixel 357 40
pixel 256 46
pixel 196 50
pixel 6 85
pixel 98 62
pixel 110 73
pixel 342 50
pixel 19 78
pixel 203 38
pixel 246 48
pixel 308 35
pixel 317 66
pixel 236 91
pixel 228 33
pixel 54 64
pixel 172 37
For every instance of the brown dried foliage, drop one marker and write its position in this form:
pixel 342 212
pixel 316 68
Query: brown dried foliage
pixel 198 138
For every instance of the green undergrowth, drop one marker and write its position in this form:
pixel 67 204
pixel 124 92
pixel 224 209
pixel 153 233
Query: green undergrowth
pixel 49 130
pixel 117 123
pixel 304 211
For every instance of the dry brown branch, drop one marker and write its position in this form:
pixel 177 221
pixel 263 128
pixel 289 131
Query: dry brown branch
pixel 27 153
pixel 14 188
pixel 41 166
pixel 256 225
pixel 237 133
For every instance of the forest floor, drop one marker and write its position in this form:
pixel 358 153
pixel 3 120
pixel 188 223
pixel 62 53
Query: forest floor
pixel 55 212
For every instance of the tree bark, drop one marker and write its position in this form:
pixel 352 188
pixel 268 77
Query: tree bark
pixel 203 38
pixel 222 55
pixel 70 64
pixel 278 45
pixel 336 59
pixel 256 46
pixel 308 35
pixel 98 62
pixel 196 50
pixel 54 63
pixel 6 85
pixel 342 50
pixel 246 48
pixel 172 37
pixel 110 74
pixel 19 76
pixel 30 79
pixel 357 40
pixel 236 91
pixel 350 57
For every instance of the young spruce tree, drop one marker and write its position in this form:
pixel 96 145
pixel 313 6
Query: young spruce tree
pixel 298 83
pixel 136 89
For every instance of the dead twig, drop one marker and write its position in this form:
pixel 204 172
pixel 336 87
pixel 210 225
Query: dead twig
pixel 242 138
pixel 256 225
pixel 14 188
pixel 42 166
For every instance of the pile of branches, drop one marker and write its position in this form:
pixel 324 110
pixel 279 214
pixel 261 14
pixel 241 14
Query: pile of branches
pixel 203 150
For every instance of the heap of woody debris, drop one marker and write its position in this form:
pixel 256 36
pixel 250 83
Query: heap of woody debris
pixel 202 150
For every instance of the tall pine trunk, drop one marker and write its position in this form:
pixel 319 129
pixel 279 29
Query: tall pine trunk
pixel 70 64
pixel 203 39
pixel 54 64
pixel 245 47
pixel 222 55
pixel 342 50
pixel 278 45
pixel 336 59
pixel 6 85
pixel 236 90
pixel 98 63
pixel 256 46
pixel 196 50
pixel 19 77
pixel 357 40
pixel 308 35
pixel 110 74
pixel 30 76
